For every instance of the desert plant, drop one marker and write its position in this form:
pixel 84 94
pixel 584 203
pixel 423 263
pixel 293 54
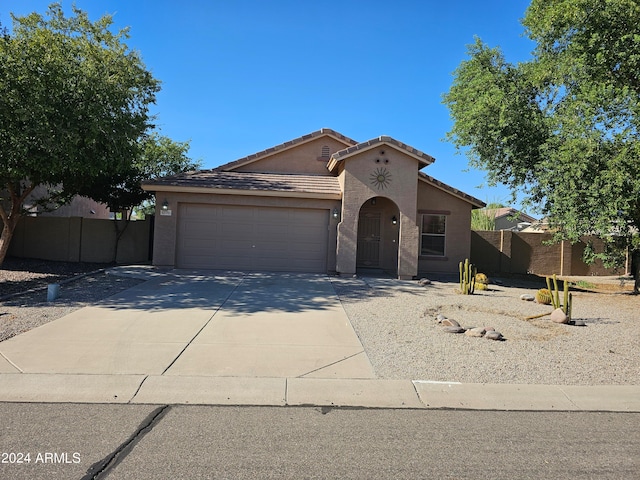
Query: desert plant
pixel 482 281
pixel 467 277
pixel 543 296
pixel 555 296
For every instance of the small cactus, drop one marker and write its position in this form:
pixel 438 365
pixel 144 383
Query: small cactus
pixel 555 296
pixel 543 296
pixel 467 277
pixel 482 281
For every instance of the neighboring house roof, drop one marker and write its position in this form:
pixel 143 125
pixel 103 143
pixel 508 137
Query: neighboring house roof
pixel 510 212
pixel 310 186
pixel 454 191
pixel 342 155
pixel 285 146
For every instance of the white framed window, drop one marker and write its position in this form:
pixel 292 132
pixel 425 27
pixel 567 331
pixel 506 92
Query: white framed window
pixel 433 234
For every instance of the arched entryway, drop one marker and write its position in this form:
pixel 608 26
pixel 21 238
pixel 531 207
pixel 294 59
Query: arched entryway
pixel 378 235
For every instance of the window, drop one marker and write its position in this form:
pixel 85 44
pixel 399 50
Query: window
pixel 433 235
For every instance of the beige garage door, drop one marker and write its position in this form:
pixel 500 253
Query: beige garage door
pixel 252 238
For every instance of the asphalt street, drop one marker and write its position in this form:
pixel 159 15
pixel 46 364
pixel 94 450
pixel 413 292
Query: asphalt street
pixel 78 441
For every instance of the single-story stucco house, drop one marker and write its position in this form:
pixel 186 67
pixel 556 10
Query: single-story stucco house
pixel 320 203
pixel 508 218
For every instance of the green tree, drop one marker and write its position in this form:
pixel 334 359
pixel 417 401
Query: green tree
pixel 74 102
pixel 121 191
pixel 485 218
pixel 562 128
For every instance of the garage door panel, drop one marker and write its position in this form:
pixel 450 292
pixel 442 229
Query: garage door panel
pixel 252 238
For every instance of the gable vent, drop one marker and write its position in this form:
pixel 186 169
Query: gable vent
pixel 325 151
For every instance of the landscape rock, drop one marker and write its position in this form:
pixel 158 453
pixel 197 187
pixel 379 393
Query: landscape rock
pixel 489 329
pixel 475 332
pixel 526 297
pixel 493 335
pixel 558 316
pixel 424 281
pixel 579 323
pixel 453 329
pixel 449 322
pixel 440 318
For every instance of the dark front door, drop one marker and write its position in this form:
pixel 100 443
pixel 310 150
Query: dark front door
pixel 368 240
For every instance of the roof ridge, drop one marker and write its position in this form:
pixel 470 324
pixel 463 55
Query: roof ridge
pixel 285 145
pixel 423 157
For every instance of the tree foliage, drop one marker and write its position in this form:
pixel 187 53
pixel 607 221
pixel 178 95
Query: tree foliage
pixel 561 128
pixel 74 103
pixel 121 190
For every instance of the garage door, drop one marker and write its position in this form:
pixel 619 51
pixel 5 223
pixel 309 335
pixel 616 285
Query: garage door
pixel 252 238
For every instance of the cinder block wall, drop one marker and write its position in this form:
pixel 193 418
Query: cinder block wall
pixel 510 252
pixel 75 239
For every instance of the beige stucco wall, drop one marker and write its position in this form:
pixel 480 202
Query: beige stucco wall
pixel 359 186
pixel 78 207
pixel 305 159
pixel 433 200
pixel 164 249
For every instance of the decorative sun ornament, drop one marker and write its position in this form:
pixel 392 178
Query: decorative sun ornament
pixel 381 178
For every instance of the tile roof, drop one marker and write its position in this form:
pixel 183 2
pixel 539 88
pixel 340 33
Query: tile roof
pixel 465 196
pixel 283 146
pixel 271 182
pixel 421 156
pixel 512 212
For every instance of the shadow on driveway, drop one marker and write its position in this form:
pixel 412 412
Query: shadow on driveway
pixel 242 293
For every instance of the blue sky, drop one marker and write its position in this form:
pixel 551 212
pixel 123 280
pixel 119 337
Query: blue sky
pixel 239 76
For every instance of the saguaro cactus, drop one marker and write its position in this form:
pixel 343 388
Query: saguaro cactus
pixel 467 277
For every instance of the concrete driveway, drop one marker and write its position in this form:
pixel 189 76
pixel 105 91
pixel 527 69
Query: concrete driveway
pixel 183 323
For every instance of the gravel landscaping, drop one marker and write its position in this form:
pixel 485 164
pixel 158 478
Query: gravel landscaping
pixel 397 326
pixel 82 285
pixel 396 323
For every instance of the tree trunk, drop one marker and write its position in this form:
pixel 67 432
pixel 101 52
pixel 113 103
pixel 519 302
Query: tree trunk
pixel 8 226
pixel 635 270
pixel 119 232
pixel 17 193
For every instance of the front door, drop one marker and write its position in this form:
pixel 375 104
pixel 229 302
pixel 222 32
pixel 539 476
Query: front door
pixel 368 240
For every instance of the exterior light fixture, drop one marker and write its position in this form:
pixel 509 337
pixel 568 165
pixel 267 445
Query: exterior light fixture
pixel 394 220
pixel 165 205
pixel 336 213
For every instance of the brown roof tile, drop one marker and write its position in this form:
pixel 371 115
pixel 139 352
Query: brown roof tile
pixel 272 182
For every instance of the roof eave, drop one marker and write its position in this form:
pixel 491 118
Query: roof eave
pixel 236 191
pixel 475 203
pixel 423 158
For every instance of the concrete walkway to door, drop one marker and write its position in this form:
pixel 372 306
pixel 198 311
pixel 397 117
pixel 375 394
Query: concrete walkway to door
pixel 195 323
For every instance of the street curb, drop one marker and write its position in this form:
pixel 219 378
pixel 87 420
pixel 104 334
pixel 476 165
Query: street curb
pixel 325 392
